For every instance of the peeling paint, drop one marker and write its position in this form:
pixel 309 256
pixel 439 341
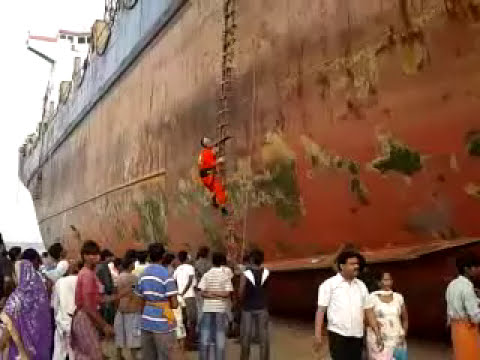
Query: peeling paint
pixel 320 159
pixel 454 163
pixel 358 74
pixel 463 9
pixel 362 74
pixel 473 190
pixel 276 150
pixel 414 52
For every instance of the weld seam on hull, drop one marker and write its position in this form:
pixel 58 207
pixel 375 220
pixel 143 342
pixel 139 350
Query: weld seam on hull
pixel 109 191
pixel 125 65
pixel 405 256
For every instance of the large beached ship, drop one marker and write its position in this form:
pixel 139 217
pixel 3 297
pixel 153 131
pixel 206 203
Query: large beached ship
pixel 353 123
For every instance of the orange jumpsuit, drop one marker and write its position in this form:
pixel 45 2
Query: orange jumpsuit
pixel 207 164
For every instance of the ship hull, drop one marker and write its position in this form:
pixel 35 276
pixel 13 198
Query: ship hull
pixel 353 123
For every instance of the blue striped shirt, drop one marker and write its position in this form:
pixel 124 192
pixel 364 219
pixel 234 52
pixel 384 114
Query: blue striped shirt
pixel 155 285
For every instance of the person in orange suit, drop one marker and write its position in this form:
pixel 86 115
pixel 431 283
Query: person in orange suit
pixel 207 165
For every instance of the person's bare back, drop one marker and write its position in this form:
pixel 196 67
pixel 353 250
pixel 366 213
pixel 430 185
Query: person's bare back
pixel 131 303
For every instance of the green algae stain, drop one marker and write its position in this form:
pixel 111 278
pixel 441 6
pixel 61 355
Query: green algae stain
pixel 321 159
pixel 278 184
pixel 136 234
pixel 399 158
pixel 192 201
pixel 473 190
pixel 153 220
pixel 188 196
pixel 236 194
pixel 120 231
pixel 283 247
pixel 474 148
pixel 359 190
pixel 473 143
pixel 282 188
pixel 353 168
pixel 213 233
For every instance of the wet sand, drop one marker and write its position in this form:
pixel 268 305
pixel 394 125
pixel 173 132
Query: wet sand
pixel 293 341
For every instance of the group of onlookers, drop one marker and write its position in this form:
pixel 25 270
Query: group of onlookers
pixel 149 304
pixel 349 307
pixel 352 312
pixel 153 304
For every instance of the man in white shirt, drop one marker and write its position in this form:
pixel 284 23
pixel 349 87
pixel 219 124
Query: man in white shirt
pixel 184 275
pixel 463 308
pixel 63 303
pixel 343 298
pixel 216 288
pixel 141 263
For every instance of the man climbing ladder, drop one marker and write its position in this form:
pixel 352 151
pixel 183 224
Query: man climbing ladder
pixel 207 166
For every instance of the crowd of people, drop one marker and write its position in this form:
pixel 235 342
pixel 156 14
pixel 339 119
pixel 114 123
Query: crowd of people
pixel 372 323
pixel 153 304
pixel 150 304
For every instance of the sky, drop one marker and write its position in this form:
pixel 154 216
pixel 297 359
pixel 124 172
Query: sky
pixel 23 79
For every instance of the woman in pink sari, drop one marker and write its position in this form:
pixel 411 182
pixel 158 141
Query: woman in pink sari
pixel 391 314
pixel 87 323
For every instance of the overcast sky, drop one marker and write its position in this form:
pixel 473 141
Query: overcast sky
pixel 23 79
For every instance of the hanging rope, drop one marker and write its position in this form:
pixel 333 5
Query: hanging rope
pixel 225 107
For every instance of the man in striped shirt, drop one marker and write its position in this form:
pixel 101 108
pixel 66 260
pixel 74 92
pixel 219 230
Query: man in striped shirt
pixel 216 288
pixel 159 292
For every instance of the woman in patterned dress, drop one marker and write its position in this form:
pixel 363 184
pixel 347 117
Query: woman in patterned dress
pixel 391 313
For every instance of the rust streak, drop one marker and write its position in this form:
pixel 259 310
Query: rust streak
pixel 404 14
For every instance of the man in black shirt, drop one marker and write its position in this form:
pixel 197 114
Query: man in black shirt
pixel 105 277
pixel 253 295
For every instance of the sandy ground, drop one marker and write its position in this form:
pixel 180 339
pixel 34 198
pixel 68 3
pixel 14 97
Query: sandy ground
pixel 294 342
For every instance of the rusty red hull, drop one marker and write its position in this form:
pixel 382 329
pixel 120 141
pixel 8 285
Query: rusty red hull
pixel 353 122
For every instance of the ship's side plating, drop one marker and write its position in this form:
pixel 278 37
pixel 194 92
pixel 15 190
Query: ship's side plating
pixel 354 122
